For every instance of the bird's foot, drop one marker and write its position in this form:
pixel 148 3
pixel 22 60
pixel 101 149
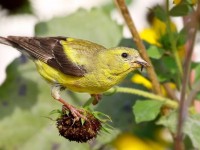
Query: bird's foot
pixel 97 98
pixel 76 113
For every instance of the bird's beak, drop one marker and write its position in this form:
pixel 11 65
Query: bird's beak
pixel 140 63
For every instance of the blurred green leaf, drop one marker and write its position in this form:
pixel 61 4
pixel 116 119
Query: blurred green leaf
pixel 191 126
pixel 197 72
pixel 163 77
pixel 196 68
pixel 170 64
pixel 181 9
pixel 95 25
pixel 160 13
pixel 169 121
pixel 128 42
pixel 181 37
pixel 146 110
pixel 165 41
pixel 166 68
pixel 155 52
pixel 192 129
pixel 128 2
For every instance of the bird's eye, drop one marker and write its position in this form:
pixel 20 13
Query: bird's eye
pixel 124 55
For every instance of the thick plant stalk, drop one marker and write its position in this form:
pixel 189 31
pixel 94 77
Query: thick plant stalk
pixel 168 102
pixel 142 50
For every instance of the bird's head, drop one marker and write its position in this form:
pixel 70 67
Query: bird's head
pixel 122 60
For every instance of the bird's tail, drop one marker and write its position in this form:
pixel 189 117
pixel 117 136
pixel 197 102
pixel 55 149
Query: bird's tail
pixel 5 41
pixel 8 42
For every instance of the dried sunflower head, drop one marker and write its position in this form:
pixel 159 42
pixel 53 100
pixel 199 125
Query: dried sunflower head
pixel 79 131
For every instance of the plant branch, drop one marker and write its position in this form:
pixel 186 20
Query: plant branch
pixel 168 102
pixel 191 24
pixel 136 38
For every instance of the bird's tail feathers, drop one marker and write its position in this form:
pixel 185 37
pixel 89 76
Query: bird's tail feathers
pixel 5 41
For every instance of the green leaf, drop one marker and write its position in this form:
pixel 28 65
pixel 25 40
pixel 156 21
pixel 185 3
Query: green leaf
pixel 160 13
pixel 169 121
pixel 146 110
pixel 95 25
pixel 163 77
pixel 181 37
pixel 165 41
pixel 196 68
pixel 102 117
pixel 170 64
pixel 181 10
pixel 55 111
pixel 128 2
pixel 197 72
pixel 128 42
pixel 192 129
pixel 166 69
pixel 191 126
pixel 155 52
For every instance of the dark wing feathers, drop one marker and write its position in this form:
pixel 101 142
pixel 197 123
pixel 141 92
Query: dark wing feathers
pixel 48 50
pixel 67 66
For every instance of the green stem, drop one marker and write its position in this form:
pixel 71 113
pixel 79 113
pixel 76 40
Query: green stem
pixel 168 102
pixel 173 41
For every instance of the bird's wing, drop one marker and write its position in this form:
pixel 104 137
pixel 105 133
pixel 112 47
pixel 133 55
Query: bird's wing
pixel 59 52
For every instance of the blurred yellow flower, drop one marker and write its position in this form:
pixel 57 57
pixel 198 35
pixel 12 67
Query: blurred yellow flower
pixel 155 32
pixel 127 141
pixel 160 27
pixel 150 36
pixel 176 2
pixel 181 52
pixel 139 79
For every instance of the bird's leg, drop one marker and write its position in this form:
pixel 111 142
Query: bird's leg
pixel 97 98
pixel 77 113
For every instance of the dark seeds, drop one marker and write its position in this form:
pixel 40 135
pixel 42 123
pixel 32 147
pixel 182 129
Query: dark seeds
pixel 75 130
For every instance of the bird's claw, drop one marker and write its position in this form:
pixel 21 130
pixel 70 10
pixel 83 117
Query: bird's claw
pixel 76 113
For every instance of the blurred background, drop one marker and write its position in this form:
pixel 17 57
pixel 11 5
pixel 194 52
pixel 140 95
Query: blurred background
pixel 25 99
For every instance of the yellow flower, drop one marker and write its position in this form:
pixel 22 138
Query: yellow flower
pixel 160 27
pixel 176 2
pixel 150 36
pixel 138 79
pixel 127 141
pixel 154 33
pixel 181 52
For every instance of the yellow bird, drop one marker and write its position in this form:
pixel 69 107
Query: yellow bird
pixel 78 65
